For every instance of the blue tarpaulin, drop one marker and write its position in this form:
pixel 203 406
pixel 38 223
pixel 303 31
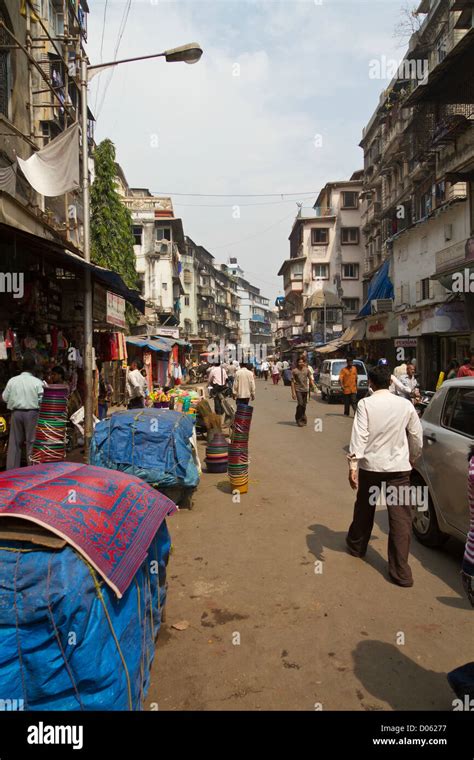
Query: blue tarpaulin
pixel 380 287
pixel 152 444
pixel 66 641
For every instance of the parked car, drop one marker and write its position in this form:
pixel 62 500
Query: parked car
pixel 448 434
pixel 329 378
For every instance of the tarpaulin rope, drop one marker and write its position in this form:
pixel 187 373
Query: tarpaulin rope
pixel 58 639
pixel 117 644
pixel 20 658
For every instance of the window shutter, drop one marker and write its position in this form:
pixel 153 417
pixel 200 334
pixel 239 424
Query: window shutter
pixel 431 289
pixel 418 290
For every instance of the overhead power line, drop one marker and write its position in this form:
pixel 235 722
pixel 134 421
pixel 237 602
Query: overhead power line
pixel 236 195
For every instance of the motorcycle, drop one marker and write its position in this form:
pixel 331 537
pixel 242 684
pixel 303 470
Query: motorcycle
pixel 421 402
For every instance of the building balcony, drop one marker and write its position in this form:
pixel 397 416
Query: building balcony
pixel 373 213
pixel 206 290
pixel 455 255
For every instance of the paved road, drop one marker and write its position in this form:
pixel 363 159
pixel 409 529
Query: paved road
pixel 247 572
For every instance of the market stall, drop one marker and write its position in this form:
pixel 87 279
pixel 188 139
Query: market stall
pixel 92 584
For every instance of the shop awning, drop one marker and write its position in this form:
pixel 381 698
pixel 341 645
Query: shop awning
pixel 152 344
pixel 355 331
pixel 16 221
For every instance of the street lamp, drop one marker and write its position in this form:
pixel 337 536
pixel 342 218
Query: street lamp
pixel 190 53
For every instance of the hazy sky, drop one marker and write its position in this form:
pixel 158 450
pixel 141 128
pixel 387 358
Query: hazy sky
pixel 274 75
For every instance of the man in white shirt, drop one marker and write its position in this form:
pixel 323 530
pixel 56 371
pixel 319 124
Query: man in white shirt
pixel 136 385
pixel 386 439
pixel 217 379
pixel 409 383
pixel 22 396
pixel 244 385
pixel 265 368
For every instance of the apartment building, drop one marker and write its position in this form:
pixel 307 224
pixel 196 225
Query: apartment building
pixel 211 306
pixel 418 171
pixel 159 246
pixel 41 44
pixel 256 315
pixel 322 278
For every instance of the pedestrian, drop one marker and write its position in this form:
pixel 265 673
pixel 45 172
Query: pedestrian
pixel 244 384
pixel 231 369
pixel 467 369
pixel 286 373
pixel 275 373
pixel 386 439
pixel 22 396
pixel 105 392
pixel 264 369
pixel 301 385
pixel 135 384
pixel 217 379
pixel 409 383
pixel 348 381
pixel 452 369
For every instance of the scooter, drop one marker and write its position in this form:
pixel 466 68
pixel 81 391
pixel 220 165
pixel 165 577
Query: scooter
pixel 421 402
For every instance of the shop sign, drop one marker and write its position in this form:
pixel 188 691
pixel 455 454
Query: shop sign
pixel 168 332
pixel 115 310
pixel 405 342
pixel 378 329
pixel 446 318
pixel 410 324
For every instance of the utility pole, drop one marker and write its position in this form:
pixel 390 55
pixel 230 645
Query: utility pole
pixel 88 327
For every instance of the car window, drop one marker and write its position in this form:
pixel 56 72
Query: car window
pixel 462 418
pixel 448 407
pixel 360 368
pixel 337 366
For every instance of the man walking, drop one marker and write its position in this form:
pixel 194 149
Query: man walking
pixel 265 368
pixel 22 396
pixel 301 385
pixel 244 385
pixel 136 385
pixel 348 381
pixel 386 439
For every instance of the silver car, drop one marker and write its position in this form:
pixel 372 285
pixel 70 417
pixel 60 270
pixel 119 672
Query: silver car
pixel 448 434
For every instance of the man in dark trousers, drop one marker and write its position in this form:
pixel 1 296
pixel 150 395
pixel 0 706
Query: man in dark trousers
pixel 301 385
pixel 22 396
pixel 348 381
pixel 386 439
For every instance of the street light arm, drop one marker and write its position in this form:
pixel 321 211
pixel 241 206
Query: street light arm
pixel 190 53
pixel 93 70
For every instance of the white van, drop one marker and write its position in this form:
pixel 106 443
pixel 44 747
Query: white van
pixel 329 378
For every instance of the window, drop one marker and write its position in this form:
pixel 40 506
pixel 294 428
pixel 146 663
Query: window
pixel 320 271
pixel 458 412
pixel 319 236
pixel 351 305
pixel 164 285
pixel 296 272
pixel 350 236
pixel 163 233
pixel 4 71
pixel 425 289
pixel 141 279
pixel 350 200
pixel 350 271
pixel 186 300
pixel 137 234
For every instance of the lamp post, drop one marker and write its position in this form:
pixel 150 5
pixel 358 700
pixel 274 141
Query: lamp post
pixel 190 53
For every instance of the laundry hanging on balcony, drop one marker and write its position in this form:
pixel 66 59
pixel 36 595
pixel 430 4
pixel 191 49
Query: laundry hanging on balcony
pixel 54 170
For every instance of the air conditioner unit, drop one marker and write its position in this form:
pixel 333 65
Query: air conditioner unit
pixel 381 305
pixel 162 246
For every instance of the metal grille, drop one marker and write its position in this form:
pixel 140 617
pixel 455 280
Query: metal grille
pixel 4 70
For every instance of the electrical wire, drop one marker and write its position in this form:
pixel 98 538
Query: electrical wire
pixel 123 24
pixel 231 205
pixel 101 52
pixel 251 237
pixel 236 195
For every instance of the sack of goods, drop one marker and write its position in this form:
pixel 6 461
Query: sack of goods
pixel 83 558
pixel 153 444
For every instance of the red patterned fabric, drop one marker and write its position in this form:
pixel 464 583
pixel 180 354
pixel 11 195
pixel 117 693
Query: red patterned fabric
pixel 110 518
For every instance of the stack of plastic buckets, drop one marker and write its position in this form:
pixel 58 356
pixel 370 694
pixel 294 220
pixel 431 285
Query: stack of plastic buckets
pixel 217 453
pixel 238 450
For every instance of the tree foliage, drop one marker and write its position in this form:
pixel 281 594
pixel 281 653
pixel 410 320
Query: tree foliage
pixel 111 222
